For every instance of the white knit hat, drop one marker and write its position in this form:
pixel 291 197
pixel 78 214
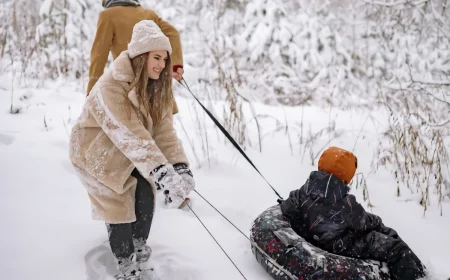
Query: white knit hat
pixel 147 36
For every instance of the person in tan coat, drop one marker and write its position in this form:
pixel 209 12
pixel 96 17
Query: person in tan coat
pixel 114 28
pixel 124 144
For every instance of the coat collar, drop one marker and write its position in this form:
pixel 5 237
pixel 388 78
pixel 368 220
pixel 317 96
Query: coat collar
pixel 122 69
pixel 123 72
pixel 113 3
pixel 132 96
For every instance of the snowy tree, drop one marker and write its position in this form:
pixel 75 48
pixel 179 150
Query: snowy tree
pixel 17 32
pixel 391 54
pixel 64 34
pixel 412 68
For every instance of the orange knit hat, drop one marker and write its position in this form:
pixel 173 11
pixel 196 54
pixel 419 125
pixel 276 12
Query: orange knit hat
pixel 339 162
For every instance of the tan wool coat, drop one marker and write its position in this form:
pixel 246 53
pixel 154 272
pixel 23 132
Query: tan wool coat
pixel 114 30
pixel 113 136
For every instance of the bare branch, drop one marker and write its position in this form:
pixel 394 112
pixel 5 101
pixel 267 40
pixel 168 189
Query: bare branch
pixel 430 82
pixel 387 4
pixel 439 18
pixel 442 124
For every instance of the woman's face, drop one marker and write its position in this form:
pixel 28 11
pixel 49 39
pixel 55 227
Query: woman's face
pixel 156 63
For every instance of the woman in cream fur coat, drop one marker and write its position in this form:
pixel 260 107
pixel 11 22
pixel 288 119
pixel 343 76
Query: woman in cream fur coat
pixel 124 143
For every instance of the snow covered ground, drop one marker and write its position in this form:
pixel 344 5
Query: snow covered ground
pixel 47 231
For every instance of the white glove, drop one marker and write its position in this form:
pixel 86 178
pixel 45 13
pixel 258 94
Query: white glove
pixel 189 183
pixel 187 176
pixel 173 184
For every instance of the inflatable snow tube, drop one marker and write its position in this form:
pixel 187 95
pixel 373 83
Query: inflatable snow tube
pixel 285 255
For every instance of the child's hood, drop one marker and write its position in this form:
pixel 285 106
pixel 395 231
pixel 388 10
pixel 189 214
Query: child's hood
pixel 324 187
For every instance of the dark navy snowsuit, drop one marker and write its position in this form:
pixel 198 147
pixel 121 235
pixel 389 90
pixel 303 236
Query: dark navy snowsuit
pixel 323 213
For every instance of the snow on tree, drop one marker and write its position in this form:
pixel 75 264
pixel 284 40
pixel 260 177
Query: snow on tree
pixel 391 54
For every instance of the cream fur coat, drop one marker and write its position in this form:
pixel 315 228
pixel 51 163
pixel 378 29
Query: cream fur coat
pixel 113 136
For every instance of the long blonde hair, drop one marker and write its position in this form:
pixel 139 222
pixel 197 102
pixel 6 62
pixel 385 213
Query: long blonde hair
pixel 155 95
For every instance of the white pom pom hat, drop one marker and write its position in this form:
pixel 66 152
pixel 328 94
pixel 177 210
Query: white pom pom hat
pixel 147 36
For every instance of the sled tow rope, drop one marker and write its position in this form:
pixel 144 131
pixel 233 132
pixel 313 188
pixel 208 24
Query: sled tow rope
pixel 221 214
pixel 216 242
pixel 236 145
pixel 225 132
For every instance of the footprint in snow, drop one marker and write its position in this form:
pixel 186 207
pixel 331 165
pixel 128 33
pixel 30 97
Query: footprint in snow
pixel 6 139
pixel 171 265
pixel 168 264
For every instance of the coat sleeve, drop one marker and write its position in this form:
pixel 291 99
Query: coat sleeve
pixel 166 138
pixel 289 207
pixel 100 49
pixel 114 113
pixel 359 219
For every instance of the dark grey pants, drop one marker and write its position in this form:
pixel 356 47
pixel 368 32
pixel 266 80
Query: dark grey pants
pixel 121 235
pixel 385 245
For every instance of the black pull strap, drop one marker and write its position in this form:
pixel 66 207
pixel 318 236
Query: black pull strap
pixel 224 131
pixel 215 240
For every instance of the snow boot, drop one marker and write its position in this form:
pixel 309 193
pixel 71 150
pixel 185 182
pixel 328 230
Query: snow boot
pixel 143 251
pixel 149 274
pixel 129 269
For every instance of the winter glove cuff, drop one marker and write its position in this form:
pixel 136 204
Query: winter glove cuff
pixel 182 168
pixel 158 173
pixel 154 171
pixel 186 174
pixel 165 176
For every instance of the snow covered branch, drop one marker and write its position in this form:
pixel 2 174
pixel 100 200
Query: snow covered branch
pixel 397 3
pixel 440 125
pixel 430 82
